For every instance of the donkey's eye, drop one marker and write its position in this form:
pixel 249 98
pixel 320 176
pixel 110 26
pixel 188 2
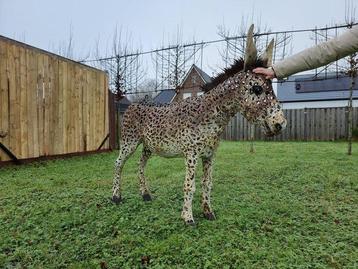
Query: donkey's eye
pixel 256 89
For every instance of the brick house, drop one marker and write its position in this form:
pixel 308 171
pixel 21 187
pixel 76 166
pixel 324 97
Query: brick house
pixel 191 84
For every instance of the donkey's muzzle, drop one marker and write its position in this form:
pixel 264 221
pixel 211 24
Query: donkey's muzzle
pixel 274 128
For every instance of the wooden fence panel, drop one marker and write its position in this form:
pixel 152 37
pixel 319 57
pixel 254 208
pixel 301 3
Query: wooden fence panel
pixel 49 105
pixel 4 97
pixel 309 124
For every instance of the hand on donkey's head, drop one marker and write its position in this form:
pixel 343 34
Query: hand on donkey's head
pixel 269 73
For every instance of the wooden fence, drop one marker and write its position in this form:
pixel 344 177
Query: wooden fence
pixel 311 124
pixel 49 105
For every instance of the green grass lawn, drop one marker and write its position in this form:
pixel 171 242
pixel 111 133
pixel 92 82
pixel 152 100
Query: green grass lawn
pixel 289 205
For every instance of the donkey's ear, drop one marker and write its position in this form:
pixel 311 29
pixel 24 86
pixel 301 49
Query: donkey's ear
pixel 266 57
pixel 250 51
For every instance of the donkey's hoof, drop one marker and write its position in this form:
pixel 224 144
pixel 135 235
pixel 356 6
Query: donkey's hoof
pixel 210 216
pixel 147 197
pixel 117 199
pixel 190 223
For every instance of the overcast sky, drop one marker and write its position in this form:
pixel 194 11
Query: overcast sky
pixel 45 23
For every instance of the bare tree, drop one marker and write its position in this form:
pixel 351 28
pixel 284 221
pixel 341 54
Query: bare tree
pixel 252 136
pixel 124 68
pixel 235 42
pixel 146 91
pixel 352 72
pixel 66 49
pixel 170 63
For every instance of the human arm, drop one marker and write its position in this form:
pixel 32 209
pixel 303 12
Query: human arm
pixel 316 56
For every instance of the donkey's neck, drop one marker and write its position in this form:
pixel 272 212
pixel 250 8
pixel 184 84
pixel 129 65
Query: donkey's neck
pixel 225 99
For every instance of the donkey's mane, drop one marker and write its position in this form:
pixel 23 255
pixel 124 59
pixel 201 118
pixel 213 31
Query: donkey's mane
pixel 229 72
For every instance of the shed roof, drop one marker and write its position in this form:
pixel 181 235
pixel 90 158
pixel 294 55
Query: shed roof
pixel 123 104
pixel 308 87
pixel 125 101
pixel 165 97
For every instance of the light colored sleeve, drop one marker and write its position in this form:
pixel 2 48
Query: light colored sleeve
pixel 322 54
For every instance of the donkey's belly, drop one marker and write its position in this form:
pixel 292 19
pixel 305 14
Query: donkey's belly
pixel 169 154
pixel 168 150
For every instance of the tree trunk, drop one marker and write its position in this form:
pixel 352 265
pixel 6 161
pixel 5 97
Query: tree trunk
pixel 350 115
pixel 252 134
pixel 352 72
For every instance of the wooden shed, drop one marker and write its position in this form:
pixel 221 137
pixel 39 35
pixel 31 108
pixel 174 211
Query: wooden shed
pixel 49 105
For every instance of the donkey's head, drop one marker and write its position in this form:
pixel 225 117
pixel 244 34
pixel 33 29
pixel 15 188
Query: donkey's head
pixel 257 99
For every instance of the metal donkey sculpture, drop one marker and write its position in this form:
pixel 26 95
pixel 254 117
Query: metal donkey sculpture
pixel 192 127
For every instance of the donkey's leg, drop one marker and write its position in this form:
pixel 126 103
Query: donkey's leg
pixel 206 183
pixel 126 150
pixel 142 181
pixel 189 188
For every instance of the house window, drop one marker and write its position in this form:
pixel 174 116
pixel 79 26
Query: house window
pixel 199 93
pixel 186 95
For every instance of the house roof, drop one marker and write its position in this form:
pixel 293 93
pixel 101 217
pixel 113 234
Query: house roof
pixel 164 97
pixel 204 76
pixel 325 87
